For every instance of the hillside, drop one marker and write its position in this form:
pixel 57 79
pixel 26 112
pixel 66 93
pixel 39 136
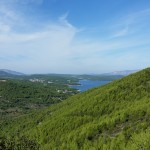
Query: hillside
pixel 20 96
pixel 9 73
pixel 115 116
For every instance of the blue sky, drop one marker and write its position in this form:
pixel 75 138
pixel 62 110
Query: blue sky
pixel 74 36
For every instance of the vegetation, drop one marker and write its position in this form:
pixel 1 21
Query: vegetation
pixel 20 96
pixel 115 116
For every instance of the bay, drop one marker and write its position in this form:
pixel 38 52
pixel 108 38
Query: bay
pixel 88 84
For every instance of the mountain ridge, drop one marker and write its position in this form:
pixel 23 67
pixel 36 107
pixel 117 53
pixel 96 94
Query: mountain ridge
pixel 6 72
pixel 123 73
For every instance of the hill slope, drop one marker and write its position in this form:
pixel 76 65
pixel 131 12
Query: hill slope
pixel 115 116
pixel 9 73
pixel 20 96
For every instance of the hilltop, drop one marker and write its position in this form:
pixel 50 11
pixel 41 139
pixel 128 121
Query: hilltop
pixel 115 116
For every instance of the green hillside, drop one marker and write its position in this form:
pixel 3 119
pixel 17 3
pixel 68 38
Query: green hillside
pixel 115 116
pixel 20 96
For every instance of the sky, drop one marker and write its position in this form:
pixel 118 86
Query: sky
pixel 74 36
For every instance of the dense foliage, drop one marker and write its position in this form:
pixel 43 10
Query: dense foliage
pixel 115 116
pixel 19 96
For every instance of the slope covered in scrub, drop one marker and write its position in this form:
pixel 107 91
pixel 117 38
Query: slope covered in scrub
pixel 114 116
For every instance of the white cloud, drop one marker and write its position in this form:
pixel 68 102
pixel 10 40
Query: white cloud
pixel 130 23
pixel 4 28
pixel 7 14
pixel 50 45
pixel 56 46
pixel 122 32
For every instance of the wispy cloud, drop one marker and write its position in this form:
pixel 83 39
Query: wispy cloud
pixel 59 47
pixel 121 32
pixel 131 23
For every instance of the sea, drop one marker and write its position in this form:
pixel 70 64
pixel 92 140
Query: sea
pixel 88 84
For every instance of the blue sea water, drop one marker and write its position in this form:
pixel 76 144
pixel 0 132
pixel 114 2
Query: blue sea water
pixel 88 84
